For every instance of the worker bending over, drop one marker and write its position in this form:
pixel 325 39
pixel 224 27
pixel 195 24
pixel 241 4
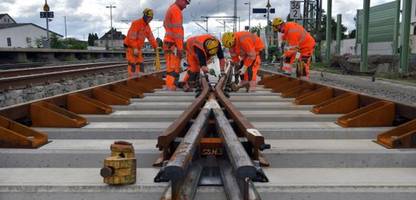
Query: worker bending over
pixel 138 32
pixel 245 47
pixel 300 45
pixel 200 50
pixel 173 42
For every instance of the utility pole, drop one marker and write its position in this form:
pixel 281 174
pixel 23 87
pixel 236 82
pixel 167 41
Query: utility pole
pixel 235 16
pixel 46 9
pixel 65 27
pixel 364 40
pixel 249 13
pixel 328 31
pixel 111 23
pixel 404 37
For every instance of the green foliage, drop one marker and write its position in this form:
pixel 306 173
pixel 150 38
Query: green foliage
pixel 69 43
pixel 91 38
pixel 322 33
pixel 256 29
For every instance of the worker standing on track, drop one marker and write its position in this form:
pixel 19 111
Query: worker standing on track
pixel 300 45
pixel 173 42
pixel 245 47
pixel 199 51
pixel 138 32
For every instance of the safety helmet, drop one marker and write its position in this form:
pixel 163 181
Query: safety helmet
pixel 148 13
pixel 277 22
pixel 228 39
pixel 211 46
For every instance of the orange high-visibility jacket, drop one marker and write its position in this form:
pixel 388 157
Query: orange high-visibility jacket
pixel 173 24
pixel 247 46
pixel 138 32
pixel 197 42
pixel 297 38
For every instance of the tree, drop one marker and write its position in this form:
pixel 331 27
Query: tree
pixel 322 33
pixel 352 34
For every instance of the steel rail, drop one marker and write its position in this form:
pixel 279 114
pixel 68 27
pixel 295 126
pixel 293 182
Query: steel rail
pixel 247 129
pixel 17 82
pixel 184 154
pixel 177 127
pixel 47 69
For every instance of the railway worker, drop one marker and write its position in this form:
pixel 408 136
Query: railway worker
pixel 300 45
pixel 245 48
pixel 200 50
pixel 173 42
pixel 134 42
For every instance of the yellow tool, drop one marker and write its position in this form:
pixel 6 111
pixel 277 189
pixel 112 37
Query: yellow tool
pixel 157 61
pixel 120 167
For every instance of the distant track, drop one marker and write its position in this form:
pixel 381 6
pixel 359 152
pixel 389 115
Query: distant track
pixel 12 79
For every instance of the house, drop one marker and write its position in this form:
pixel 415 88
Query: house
pixel 112 40
pixel 21 35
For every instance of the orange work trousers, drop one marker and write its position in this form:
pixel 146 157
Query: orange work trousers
pixel 173 67
pixel 305 56
pixel 135 63
pixel 251 73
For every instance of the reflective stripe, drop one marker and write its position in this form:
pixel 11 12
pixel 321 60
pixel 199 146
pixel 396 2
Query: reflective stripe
pixel 248 35
pixel 172 25
pixel 302 32
pixel 175 35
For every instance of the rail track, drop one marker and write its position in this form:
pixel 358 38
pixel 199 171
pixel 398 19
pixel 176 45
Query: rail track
pixel 12 79
pixel 210 146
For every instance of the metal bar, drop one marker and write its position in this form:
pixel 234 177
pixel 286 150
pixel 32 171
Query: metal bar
pixel 186 188
pixel 180 123
pixel 364 40
pixel 339 23
pixel 396 29
pixel 255 137
pixel 240 160
pixel 405 36
pixel 328 31
pixel 179 162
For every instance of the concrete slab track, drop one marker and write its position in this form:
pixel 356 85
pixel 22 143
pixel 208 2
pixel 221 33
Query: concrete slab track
pixel 311 157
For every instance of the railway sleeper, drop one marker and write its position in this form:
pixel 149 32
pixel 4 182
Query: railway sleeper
pixel 63 111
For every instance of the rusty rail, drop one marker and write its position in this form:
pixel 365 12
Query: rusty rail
pixel 359 110
pixel 185 165
pixel 246 128
pixel 177 127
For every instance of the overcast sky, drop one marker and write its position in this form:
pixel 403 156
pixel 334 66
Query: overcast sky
pixel 92 16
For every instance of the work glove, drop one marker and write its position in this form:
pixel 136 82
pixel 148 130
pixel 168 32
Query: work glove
pixel 135 52
pixel 205 69
pixel 243 70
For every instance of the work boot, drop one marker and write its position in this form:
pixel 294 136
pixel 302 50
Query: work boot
pixel 234 87
pixel 187 88
pixel 253 86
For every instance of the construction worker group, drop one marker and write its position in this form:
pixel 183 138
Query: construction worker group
pixel 244 48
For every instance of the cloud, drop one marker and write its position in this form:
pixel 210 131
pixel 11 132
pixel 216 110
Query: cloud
pixel 84 17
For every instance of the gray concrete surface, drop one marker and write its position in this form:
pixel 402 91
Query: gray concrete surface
pixel 312 158
pixel 294 183
pixel 283 154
